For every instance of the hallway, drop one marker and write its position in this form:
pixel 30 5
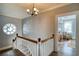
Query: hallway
pixel 38 31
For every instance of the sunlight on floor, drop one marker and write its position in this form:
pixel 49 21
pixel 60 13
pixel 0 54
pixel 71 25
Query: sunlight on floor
pixel 66 48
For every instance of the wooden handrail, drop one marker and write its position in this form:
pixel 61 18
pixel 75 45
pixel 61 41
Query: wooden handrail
pixel 31 40
pixel 38 42
pixel 45 40
pixel 34 41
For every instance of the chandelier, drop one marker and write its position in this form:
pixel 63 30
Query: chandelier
pixel 32 12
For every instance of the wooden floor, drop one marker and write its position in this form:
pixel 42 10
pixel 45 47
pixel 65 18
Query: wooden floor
pixel 65 48
pixel 11 53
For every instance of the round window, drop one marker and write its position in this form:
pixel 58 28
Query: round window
pixel 9 29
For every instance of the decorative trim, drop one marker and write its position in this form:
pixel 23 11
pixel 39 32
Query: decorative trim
pixel 5 48
pixel 10 16
pixel 49 9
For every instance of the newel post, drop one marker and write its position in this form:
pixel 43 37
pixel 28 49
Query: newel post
pixel 16 34
pixel 13 43
pixel 16 40
pixel 39 44
pixel 54 43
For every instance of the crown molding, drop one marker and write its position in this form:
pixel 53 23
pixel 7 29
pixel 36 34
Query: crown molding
pixel 49 9
pixel 10 16
pixel 52 8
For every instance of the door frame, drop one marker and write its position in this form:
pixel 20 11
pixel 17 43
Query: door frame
pixel 64 14
pixel 77 16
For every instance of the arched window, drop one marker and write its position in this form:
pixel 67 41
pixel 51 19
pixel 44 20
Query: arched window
pixel 9 29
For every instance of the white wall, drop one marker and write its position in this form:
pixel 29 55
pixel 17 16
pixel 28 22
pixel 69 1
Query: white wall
pixel 77 34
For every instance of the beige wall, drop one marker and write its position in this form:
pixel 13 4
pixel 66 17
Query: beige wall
pixel 44 24
pixel 40 26
pixel 69 10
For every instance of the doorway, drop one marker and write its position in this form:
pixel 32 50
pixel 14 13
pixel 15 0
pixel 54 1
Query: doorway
pixel 67 35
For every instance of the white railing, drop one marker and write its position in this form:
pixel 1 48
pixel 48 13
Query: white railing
pixel 32 47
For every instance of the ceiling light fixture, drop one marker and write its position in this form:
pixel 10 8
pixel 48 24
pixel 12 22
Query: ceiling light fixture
pixel 33 12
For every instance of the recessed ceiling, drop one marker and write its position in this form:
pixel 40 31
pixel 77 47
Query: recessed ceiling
pixel 41 6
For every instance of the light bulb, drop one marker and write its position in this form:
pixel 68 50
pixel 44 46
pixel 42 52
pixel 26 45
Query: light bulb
pixel 28 10
pixel 36 13
pixel 35 9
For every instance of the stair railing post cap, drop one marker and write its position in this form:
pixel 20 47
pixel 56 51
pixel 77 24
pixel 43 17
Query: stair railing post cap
pixel 39 39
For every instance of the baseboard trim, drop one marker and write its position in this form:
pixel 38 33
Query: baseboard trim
pixel 5 48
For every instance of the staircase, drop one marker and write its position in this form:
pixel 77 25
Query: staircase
pixel 25 50
pixel 11 52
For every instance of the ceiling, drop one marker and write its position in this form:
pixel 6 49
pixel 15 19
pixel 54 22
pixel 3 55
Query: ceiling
pixel 41 6
pixel 18 10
